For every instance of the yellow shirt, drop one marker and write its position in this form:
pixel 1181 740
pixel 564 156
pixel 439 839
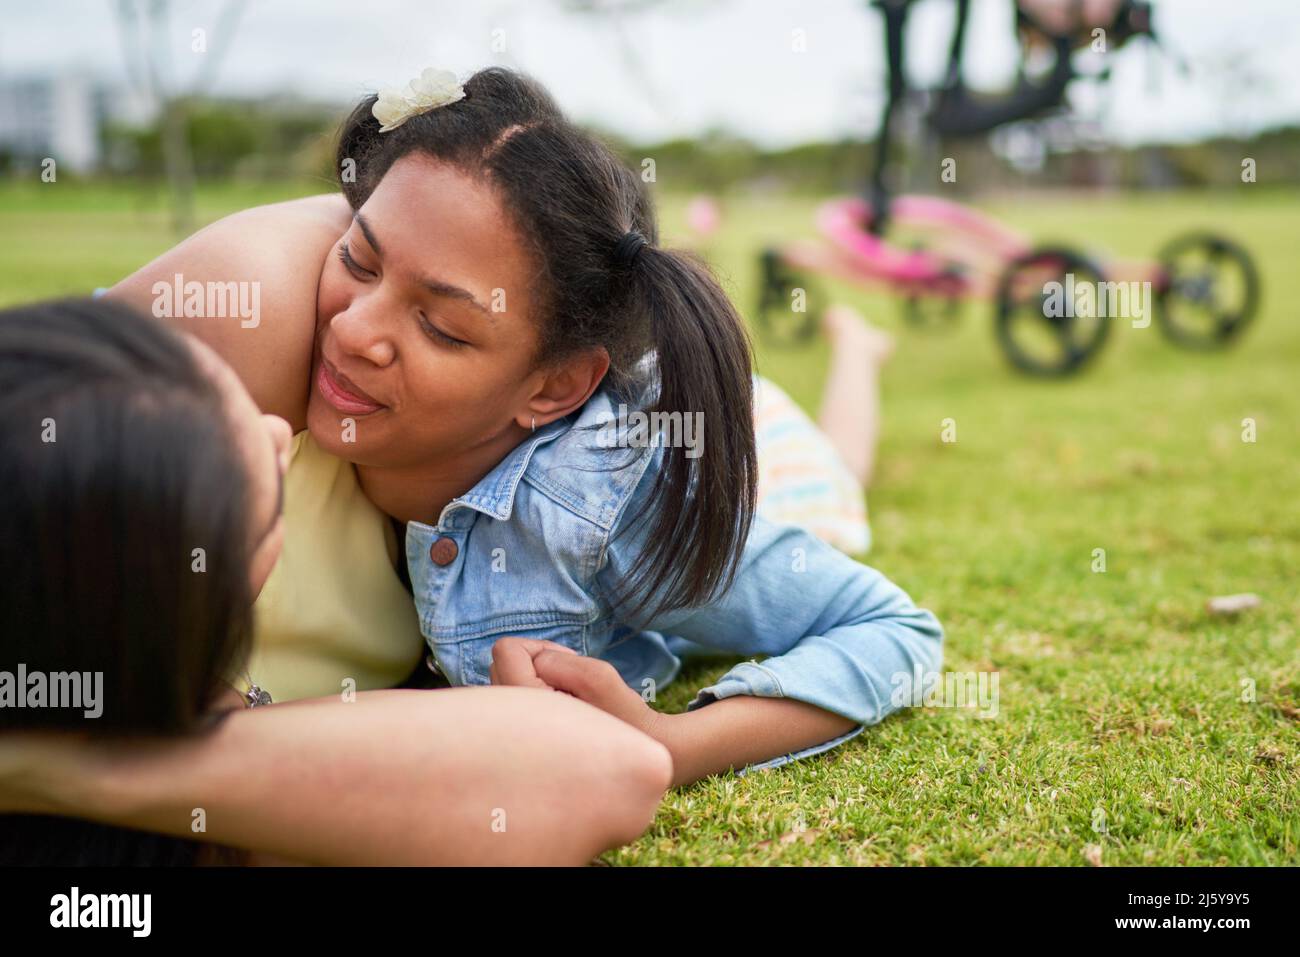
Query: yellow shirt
pixel 333 608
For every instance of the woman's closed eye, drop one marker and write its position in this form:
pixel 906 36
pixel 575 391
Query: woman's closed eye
pixel 438 335
pixel 351 265
pixel 361 273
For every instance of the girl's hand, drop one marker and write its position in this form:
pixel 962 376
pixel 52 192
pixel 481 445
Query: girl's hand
pixel 727 734
pixel 514 661
pixel 544 664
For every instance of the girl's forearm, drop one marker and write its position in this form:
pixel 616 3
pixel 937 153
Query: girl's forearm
pixel 743 730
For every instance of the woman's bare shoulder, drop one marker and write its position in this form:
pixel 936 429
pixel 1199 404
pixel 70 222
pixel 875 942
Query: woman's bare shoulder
pixel 328 211
pixel 246 285
pixel 280 244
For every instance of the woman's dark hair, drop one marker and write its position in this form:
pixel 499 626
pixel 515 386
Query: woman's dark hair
pixel 573 202
pixel 118 463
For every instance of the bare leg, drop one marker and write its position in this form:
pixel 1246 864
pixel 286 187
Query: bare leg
pixel 850 410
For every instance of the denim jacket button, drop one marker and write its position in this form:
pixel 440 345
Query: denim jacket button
pixel 443 551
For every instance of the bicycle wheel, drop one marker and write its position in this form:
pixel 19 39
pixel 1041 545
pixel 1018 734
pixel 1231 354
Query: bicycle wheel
pixel 1210 291
pixel 936 305
pixel 1045 323
pixel 788 305
pixel 932 313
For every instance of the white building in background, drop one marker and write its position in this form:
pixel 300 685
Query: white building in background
pixel 61 116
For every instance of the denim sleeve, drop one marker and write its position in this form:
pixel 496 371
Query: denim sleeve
pixel 838 634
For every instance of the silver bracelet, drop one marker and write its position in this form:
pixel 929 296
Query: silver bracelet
pixel 255 696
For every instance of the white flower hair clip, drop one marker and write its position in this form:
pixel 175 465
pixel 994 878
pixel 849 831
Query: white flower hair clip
pixel 428 91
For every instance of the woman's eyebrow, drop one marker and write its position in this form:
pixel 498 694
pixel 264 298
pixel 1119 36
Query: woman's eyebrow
pixel 440 288
pixel 366 231
pixel 435 286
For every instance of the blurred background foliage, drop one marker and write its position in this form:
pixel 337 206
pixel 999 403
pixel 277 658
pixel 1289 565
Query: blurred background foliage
pixel 290 139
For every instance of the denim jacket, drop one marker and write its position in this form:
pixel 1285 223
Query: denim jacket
pixel 532 550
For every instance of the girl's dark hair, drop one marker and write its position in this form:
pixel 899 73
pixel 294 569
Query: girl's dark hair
pixel 117 462
pixel 573 202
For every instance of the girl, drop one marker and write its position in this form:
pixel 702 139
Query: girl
pixel 127 455
pixel 452 348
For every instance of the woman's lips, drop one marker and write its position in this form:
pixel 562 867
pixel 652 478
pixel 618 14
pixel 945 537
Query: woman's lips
pixel 343 397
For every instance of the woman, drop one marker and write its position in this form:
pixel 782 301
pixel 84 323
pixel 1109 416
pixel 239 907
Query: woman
pixel 142 516
pixel 447 344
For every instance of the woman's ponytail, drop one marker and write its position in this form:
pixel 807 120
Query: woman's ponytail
pixel 702 502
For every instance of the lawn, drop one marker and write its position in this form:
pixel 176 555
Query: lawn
pixel 1132 726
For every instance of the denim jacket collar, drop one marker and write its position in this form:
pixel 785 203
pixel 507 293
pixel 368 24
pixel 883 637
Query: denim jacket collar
pixel 494 494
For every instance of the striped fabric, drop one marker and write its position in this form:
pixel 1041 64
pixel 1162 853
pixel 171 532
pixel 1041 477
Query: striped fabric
pixel 801 478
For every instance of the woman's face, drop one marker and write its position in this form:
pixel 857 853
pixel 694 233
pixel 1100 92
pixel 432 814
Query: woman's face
pixel 263 441
pixel 424 338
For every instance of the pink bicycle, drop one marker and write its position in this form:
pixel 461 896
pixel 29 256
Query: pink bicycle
pixel 1204 288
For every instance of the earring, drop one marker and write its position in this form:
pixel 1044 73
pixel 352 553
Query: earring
pixel 534 423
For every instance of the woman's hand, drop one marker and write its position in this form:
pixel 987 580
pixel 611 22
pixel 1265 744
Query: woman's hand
pixel 16 764
pixel 45 772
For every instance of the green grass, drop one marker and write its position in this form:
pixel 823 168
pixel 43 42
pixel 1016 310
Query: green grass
pixel 1118 693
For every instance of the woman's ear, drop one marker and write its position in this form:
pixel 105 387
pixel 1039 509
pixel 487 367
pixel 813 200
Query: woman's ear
pixel 565 387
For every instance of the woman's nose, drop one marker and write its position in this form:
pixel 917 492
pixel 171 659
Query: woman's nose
pixel 359 332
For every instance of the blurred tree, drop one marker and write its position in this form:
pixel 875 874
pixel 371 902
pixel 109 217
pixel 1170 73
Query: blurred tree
pixel 145 30
pixel 268 140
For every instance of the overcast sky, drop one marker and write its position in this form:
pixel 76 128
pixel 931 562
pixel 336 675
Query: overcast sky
pixel 684 66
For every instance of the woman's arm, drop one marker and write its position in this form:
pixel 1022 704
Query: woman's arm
pixel 456 776
pixel 264 324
